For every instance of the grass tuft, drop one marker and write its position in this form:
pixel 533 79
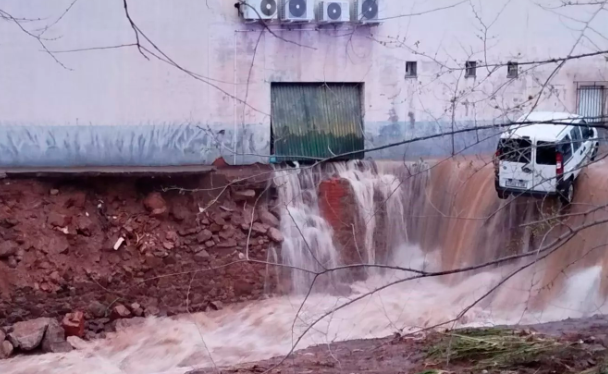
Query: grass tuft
pixel 494 348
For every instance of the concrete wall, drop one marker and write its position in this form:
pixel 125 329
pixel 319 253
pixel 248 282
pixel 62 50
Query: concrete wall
pixel 115 107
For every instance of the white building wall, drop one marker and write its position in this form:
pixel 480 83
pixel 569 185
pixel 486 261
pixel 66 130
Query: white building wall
pixel 115 107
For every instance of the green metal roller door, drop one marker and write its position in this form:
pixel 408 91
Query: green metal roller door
pixel 313 121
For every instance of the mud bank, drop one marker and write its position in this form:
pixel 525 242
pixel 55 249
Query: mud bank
pixel 90 244
pixel 573 346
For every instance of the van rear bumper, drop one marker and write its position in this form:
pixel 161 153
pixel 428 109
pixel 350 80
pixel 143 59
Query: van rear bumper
pixel 561 186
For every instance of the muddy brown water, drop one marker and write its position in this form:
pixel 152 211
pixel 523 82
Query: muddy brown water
pixel 432 216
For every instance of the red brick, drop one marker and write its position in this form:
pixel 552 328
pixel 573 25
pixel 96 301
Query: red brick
pixel 73 324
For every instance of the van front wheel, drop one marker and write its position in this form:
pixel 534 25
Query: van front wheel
pixel 567 195
pixel 594 154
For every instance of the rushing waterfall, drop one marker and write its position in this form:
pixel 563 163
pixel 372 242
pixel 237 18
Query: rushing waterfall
pixel 310 245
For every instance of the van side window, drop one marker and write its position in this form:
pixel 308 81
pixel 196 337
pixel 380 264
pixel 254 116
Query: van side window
pixel 576 138
pixel 586 130
pixel 565 148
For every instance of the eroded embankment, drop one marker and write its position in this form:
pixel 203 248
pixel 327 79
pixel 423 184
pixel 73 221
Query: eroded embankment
pixel 94 244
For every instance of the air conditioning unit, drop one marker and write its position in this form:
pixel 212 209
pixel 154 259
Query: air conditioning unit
pixel 297 10
pixel 253 10
pixel 334 11
pixel 367 11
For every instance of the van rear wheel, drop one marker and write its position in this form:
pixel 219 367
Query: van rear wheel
pixel 567 195
pixel 502 194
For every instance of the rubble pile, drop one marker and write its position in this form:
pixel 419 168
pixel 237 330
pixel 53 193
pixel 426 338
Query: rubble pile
pixel 77 257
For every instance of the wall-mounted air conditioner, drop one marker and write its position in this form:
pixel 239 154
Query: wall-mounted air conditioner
pixel 334 11
pixel 367 11
pixel 297 10
pixel 253 10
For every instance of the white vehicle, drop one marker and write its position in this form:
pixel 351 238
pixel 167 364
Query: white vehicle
pixel 543 154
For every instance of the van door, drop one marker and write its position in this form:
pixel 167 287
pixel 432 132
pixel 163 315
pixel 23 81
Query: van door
pixel 588 140
pixel 516 170
pixel 567 154
pixel 545 168
pixel 578 151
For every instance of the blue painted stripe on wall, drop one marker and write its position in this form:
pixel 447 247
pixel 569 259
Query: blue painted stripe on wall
pixel 166 144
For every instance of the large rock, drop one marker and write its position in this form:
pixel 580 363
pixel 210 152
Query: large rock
pixel 54 339
pixel 8 248
pixel 6 349
pixel 27 335
pixel 268 218
pixel 275 235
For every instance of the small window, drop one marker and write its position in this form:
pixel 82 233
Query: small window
pixel 545 153
pixel 586 130
pixel 512 70
pixel 576 138
pixel 515 150
pixel 565 148
pixel 471 69
pixel 411 69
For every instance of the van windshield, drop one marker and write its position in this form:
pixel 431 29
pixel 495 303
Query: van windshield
pixel 515 150
pixel 545 153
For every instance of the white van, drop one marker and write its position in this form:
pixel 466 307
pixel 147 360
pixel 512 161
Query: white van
pixel 544 155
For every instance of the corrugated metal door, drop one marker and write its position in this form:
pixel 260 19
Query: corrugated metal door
pixel 591 102
pixel 313 121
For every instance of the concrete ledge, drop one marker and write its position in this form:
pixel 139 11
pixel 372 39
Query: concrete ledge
pixel 106 171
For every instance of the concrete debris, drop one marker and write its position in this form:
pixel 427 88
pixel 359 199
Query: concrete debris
pixel 216 305
pixel 76 342
pixel 120 311
pixel 118 243
pixel 259 228
pixel 203 236
pixel 155 204
pixel 57 219
pixel 138 311
pixel 124 324
pixel 151 311
pixel 243 195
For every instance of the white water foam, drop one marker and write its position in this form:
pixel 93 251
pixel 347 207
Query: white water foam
pixel 269 328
